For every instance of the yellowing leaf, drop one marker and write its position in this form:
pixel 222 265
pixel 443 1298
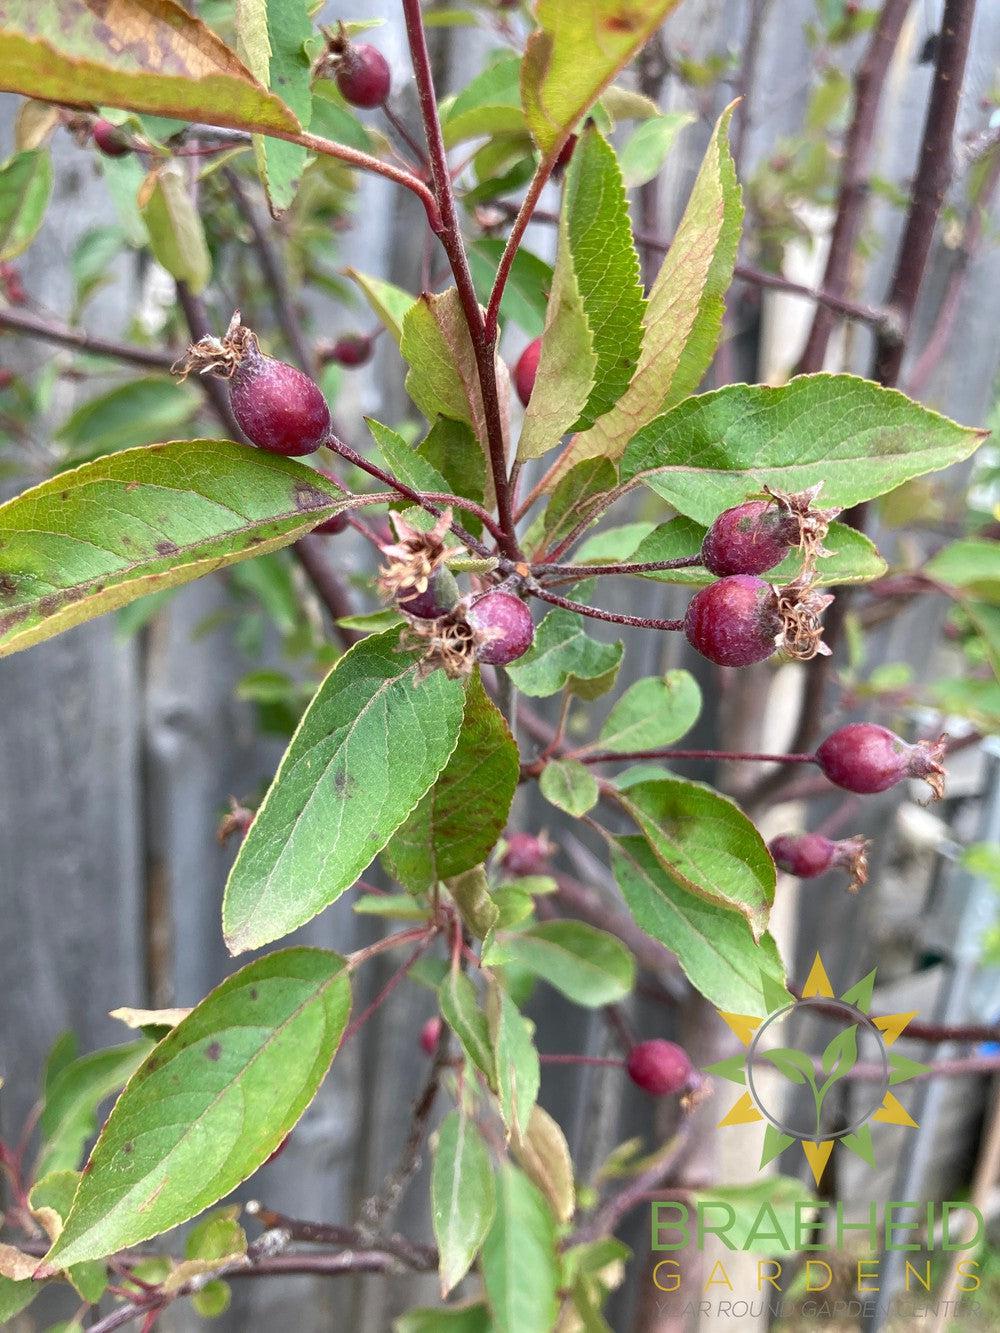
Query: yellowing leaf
pixel 144 55
pixel 579 47
pixel 174 225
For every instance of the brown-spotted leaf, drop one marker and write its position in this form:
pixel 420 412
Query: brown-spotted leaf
pixel 145 55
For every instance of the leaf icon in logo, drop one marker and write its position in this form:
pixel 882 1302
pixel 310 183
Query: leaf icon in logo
pixel 795 1065
pixel 840 1056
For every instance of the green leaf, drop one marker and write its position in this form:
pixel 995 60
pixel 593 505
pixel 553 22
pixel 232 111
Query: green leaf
pixel 371 743
pixel 389 302
pixel 91 540
pixel 772 1199
pixel 645 151
pixel 443 379
pixel 463 1200
pixel 448 1319
pixel 861 440
pixel 460 1010
pixel 544 1154
pixel 450 446
pixel 140 411
pixel 72 1097
pixel 457 823
pixel 249 1059
pixel 593 334
pixel 706 844
pixel 489 105
pixel 25 186
pixel 333 119
pixel 271 38
pixel 570 786
pixel 520 1268
pixel 651 713
pixel 171 65
pixel 403 461
pixel 853 557
pixel 394 906
pixel 518 1072
pixel 564 656
pixel 972 566
pixel 174 224
pixel 54 1193
pixel 471 892
pixel 576 496
pixel 588 966
pixel 576 51
pixel 683 318
pixel 212 1299
pixel 525 297
pixel 714 946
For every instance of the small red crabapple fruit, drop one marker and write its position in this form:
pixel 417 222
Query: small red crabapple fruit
pixel 13 287
pixel 338 523
pixel 430 1034
pixel 659 1067
pixel 278 1151
pixel 502 626
pixel 526 370
pixel 276 406
pixel 109 139
pixel 350 350
pixel 809 855
pixel 362 74
pixel 748 539
pixel 527 854
pixel 735 621
pixel 866 758
pixel 753 537
pixel 435 601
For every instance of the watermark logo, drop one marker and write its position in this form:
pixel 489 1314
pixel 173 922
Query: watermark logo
pixel 799 1056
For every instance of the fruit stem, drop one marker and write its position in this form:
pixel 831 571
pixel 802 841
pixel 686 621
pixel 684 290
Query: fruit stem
pixel 524 215
pixel 572 572
pixel 733 756
pixel 596 612
pixel 607 1061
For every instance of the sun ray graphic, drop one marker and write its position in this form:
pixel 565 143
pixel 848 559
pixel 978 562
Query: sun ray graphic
pixel 807 1068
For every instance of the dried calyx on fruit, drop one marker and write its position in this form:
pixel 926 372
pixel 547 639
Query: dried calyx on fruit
pixel 276 406
pixel 360 70
pixel 496 629
pixel 865 758
pixel 742 619
pixel 808 855
pixel 414 557
pixel 753 537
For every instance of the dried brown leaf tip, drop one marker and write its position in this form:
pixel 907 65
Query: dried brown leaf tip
pixel 220 356
pixel 801 606
pixel 414 556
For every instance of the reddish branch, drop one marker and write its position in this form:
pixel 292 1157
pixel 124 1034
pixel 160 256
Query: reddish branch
pixel 934 173
pixel 450 235
pixel 596 612
pixel 18 321
pixel 869 81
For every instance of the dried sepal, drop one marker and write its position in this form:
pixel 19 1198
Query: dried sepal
pixel 220 356
pixel 414 556
pixel 852 855
pixel 808 524
pixel 925 762
pixel 448 642
pixel 801 606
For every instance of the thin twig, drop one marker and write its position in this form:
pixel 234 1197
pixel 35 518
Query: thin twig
pixel 597 613
pixel 869 81
pixel 33 327
pixel 934 173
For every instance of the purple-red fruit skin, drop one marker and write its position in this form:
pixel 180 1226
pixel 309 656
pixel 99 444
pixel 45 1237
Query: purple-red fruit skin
pixel 330 527
pixel 430 1034
pixel 363 75
pixel 436 600
pixel 749 539
pixel 350 350
pixel 503 626
pixel 659 1067
pixel 277 407
pixel 864 758
pixel 526 854
pixel 526 370
pixel 804 855
pixel 735 621
pixel 109 139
